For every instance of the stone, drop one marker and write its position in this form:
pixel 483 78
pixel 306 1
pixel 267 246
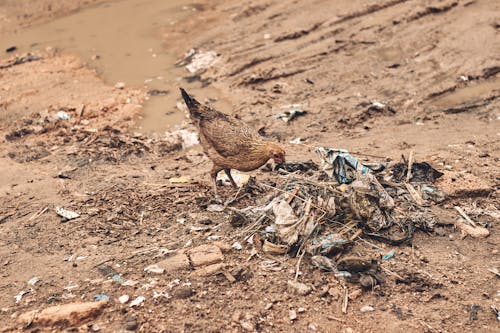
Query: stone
pixel 174 263
pixel 299 288
pixel 225 247
pixel 367 308
pixel 205 255
pixel 209 270
pixel 183 292
pixel 69 314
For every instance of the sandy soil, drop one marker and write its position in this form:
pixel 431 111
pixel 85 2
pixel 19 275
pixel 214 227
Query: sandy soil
pixel 434 63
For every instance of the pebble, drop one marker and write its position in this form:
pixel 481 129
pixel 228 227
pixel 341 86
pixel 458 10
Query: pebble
pixel 367 308
pixel 300 288
pixel 183 292
pixel 292 314
pixel 120 85
pixel 312 327
pixel 124 299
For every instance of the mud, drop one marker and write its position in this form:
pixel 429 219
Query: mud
pixel 141 196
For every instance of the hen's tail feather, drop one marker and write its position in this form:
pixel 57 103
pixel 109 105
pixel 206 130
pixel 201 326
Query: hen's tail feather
pixel 192 104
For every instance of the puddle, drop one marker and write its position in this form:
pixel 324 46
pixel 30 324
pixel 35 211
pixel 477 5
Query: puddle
pixel 125 35
pixel 474 91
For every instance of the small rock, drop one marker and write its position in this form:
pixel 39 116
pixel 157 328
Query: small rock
pixel 367 308
pixel 174 263
pixel 367 281
pixel 95 328
pixel 120 85
pixel 301 310
pixel 209 270
pixel 312 327
pixel 299 288
pixel 131 323
pixel 71 313
pixel 247 326
pixel 123 299
pixel 205 255
pixel 268 306
pixel 183 292
pixel 236 317
pixel 293 315
pixel 224 247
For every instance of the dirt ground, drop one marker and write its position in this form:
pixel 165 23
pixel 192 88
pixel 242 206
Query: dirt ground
pixel 433 64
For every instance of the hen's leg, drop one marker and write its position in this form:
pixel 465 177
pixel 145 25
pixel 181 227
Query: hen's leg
pixel 213 174
pixel 228 173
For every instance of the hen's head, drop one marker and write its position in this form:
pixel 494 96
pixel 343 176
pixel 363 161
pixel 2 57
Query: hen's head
pixel 276 153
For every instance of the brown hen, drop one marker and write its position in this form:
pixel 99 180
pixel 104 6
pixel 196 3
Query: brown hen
pixel 229 142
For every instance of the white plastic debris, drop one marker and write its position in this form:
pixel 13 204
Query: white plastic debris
pixel 202 60
pixel 33 281
pixel 63 115
pixel 67 214
pixel 154 269
pixel 19 296
pixel 297 141
pixel 123 299
pixel 237 246
pixel 186 138
pixel 139 300
pixel 286 222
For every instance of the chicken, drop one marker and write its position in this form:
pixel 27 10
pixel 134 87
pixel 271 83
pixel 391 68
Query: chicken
pixel 229 142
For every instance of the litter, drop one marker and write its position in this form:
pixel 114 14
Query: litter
pixel 101 297
pixel 420 172
pixel 137 301
pixel 322 215
pixel 388 256
pixel 297 141
pixel 63 115
pixel 33 281
pixel 195 60
pixel 118 279
pixel 237 246
pixel 154 269
pixel 288 116
pixel 66 214
pixel 20 295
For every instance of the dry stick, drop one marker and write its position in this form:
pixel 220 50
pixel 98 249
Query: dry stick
pixel 37 214
pixel 346 300
pixel 410 164
pixel 388 271
pixel 336 319
pixel 415 195
pixel 465 216
pixel 298 266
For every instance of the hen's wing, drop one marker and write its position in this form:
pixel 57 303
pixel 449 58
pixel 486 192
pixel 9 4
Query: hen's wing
pixel 227 135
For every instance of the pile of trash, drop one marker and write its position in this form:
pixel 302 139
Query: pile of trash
pixel 321 213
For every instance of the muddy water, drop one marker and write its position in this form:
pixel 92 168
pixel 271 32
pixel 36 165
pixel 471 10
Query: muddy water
pixel 122 40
